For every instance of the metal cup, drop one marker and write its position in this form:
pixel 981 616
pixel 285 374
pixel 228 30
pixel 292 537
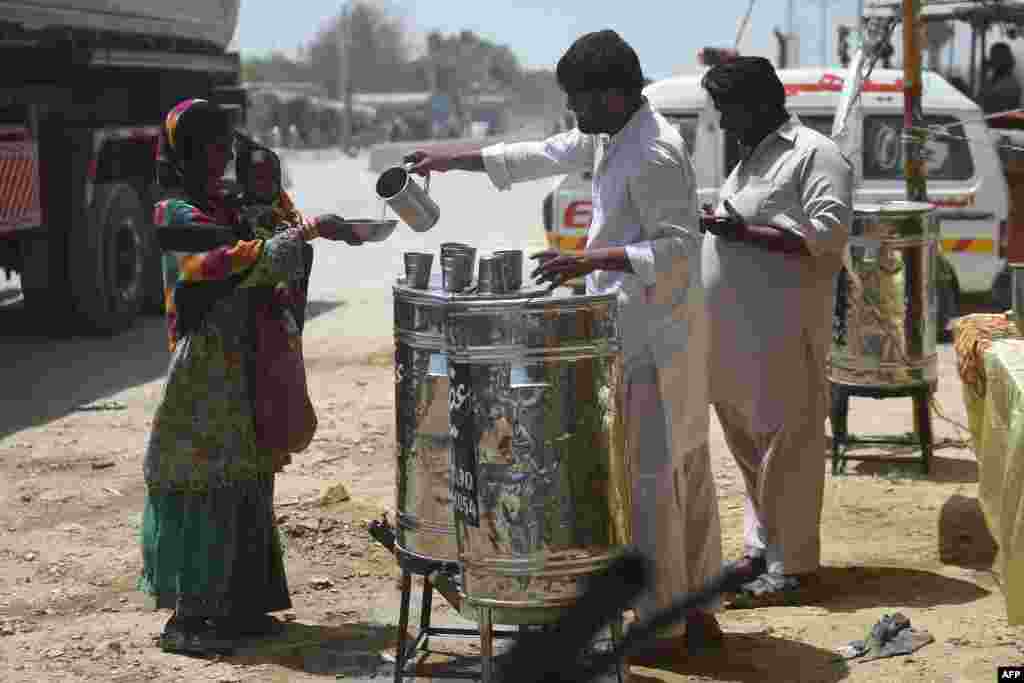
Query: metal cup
pixel 406 198
pixel 452 248
pixel 489 280
pixel 511 268
pixel 456 272
pixel 417 269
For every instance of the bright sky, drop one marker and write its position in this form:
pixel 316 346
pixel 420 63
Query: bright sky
pixel 666 35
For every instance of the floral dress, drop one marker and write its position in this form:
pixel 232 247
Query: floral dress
pixel 209 543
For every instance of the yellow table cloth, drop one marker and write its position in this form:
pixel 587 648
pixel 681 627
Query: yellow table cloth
pixel 990 358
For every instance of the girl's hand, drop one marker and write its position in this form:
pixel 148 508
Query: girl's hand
pixel 332 227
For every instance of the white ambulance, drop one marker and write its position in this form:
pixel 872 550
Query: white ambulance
pixel 965 177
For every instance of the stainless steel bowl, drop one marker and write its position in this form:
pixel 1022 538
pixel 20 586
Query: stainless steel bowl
pixel 371 230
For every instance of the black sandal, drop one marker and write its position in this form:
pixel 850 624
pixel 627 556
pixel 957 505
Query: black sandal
pixel 743 571
pixel 771 590
pixel 194 636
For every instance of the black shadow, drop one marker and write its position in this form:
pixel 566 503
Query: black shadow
pixel 849 589
pixel 747 659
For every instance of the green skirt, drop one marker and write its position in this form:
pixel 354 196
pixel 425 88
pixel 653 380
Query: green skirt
pixel 214 554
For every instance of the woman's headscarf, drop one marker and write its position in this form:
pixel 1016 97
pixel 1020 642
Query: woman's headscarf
pixel 188 127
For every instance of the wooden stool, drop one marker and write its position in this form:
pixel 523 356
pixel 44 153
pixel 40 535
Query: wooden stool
pixel 841 440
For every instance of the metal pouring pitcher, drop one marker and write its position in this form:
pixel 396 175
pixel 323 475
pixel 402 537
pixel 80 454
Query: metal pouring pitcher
pixel 407 199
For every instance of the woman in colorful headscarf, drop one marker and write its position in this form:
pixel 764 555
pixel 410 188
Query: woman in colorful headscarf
pixel 210 548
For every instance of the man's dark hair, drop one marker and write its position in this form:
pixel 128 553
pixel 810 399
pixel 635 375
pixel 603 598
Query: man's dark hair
pixel 600 61
pixel 746 80
pixel 1000 58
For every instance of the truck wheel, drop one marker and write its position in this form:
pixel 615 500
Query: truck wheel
pixel 35 272
pixel 948 305
pixel 107 260
pixel 153 267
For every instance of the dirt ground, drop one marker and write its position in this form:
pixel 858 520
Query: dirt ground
pixel 71 494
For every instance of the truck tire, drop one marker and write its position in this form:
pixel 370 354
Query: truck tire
pixel 153 268
pixel 35 272
pixel 948 295
pixel 107 260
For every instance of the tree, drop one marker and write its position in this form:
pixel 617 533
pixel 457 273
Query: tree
pixel 377 49
pixel 276 68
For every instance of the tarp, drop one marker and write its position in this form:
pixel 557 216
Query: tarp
pixel 995 410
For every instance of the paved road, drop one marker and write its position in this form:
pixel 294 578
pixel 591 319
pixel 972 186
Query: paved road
pixel 472 211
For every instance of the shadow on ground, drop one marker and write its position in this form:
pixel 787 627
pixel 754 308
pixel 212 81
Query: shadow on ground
pixel 849 589
pixel 746 658
pixel 46 377
pixel 349 649
pixel 906 465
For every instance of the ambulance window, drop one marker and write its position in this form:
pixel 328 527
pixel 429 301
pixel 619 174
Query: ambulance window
pixel 687 127
pixel 945 158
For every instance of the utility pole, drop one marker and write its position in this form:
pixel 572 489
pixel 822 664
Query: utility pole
pixel 824 32
pixel 344 75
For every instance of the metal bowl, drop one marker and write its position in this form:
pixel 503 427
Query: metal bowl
pixel 371 230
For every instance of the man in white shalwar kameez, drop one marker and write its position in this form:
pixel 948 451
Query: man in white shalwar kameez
pixel 769 272
pixel 643 243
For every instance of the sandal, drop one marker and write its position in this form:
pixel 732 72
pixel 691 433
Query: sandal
pixel 743 571
pixel 194 636
pixel 770 589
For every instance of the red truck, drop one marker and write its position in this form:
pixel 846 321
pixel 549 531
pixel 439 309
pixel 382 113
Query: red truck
pixel 83 93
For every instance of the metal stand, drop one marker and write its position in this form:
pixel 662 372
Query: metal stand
pixel 487 635
pixel 841 440
pixel 406 652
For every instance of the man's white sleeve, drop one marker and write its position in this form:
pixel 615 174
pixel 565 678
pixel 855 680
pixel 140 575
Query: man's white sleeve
pixel 665 195
pixel 826 194
pixel 513 162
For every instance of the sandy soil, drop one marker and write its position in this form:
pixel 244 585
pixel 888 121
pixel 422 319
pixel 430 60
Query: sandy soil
pixel 71 494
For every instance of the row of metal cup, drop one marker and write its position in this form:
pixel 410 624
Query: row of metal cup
pixel 499 273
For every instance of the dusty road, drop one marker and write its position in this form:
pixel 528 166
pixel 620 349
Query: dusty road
pixel 74 415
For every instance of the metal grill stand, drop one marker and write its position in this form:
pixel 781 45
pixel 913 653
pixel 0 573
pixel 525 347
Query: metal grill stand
pixel 432 570
pixel 405 653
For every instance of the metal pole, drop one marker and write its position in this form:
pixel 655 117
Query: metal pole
pixel 824 32
pixel 983 56
pixel 344 76
pixel 790 35
pixel 974 61
pixel 914 260
pixel 913 140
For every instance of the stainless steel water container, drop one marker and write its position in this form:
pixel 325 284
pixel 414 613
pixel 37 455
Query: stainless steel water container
pixel 540 483
pixel 423 440
pixel 424 525
pixel 886 308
